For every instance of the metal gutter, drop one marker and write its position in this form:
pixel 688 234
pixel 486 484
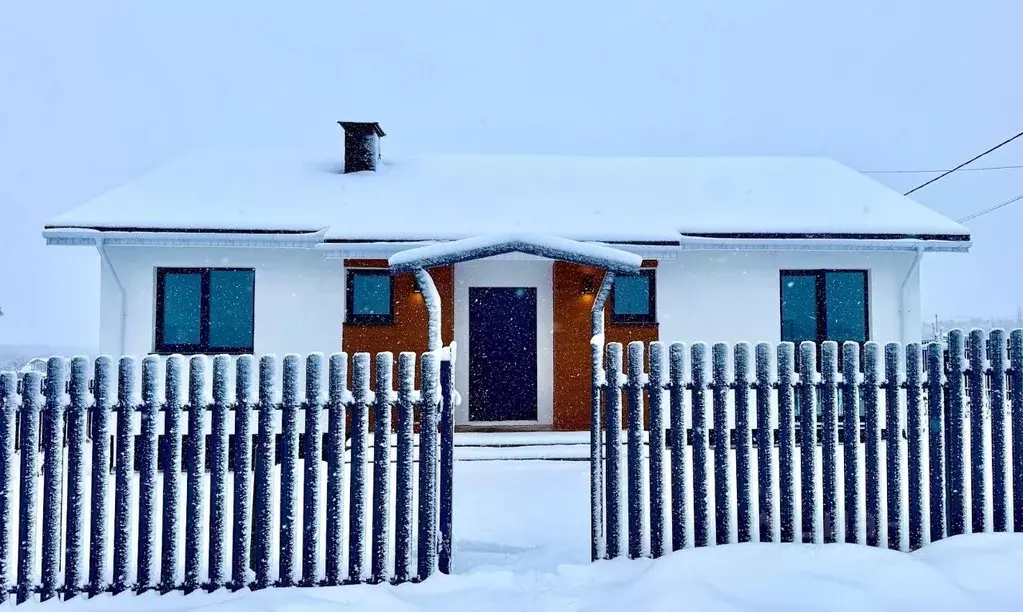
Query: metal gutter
pixel 701 243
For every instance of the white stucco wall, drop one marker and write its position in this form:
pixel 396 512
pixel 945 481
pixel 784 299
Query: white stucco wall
pixel 508 273
pixel 299 296
pixel 734 296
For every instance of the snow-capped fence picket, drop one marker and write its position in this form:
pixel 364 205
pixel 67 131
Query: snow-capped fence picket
pixel 252 489
pixel 908 444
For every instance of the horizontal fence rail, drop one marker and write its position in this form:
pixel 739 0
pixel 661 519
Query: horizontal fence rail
pixel 879 445
pixel 186 487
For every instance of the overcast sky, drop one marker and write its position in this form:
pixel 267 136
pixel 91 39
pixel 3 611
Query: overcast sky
pixel 95 93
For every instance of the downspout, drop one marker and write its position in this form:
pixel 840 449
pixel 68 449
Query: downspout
pixel 425 284
pixel 105 259
pixel 597 543
pixel 903 295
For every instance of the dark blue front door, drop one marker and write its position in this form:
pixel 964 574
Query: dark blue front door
pixel 502 354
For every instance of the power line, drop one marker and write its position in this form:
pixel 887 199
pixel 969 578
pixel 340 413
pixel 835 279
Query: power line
pixel 979 169
pixel 990 209
pixel 944 174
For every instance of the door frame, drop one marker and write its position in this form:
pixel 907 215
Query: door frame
pixel 536 273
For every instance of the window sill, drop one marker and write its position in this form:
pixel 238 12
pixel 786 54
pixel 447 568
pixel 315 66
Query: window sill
pixel 371 323
pixel 634 323
pixel 208 353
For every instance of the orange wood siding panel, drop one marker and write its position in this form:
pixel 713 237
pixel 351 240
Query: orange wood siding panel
pixel 408 331
pixel 572 342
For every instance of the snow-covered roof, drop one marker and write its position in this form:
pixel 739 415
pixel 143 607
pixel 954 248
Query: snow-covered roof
pixel 552 247
pixel 450 197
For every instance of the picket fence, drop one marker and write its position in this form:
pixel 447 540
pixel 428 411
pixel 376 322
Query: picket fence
pixel 930 449
pixel 41 408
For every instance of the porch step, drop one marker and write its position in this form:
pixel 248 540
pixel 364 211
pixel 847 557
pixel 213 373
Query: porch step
pixel 523 446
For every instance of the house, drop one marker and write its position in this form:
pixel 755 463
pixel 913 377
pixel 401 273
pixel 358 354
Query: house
pixel 272 252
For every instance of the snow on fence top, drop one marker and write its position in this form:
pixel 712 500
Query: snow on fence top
pixel 450 197
pixel 552 247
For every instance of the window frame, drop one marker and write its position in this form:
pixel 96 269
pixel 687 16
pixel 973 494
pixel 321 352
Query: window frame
pixel 637 319
pixel 820 291
pixel 160 347
pixel 353 318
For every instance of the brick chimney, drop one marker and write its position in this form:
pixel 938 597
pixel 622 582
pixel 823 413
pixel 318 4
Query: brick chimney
pixel 362 145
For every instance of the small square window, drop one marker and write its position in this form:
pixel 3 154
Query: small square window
pixel 205 310
pixel 369 299
pixel 633 298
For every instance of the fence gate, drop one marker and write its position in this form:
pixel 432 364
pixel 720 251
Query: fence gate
pixel 932 436
pixel 268 499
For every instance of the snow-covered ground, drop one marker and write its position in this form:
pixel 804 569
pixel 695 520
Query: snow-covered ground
pixel 522 528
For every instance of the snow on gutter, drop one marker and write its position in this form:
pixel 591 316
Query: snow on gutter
pixel 73 236
pixel 700 243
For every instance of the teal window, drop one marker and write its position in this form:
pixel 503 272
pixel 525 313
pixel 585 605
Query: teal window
pixel 205 310
pixel 822 305
pixel 633 298
pixel 369 297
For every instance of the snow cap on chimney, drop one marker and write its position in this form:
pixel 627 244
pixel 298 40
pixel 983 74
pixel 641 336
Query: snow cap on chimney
pixel 362 145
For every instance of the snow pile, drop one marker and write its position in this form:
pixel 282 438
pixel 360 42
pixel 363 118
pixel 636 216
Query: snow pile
pixel 976 573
